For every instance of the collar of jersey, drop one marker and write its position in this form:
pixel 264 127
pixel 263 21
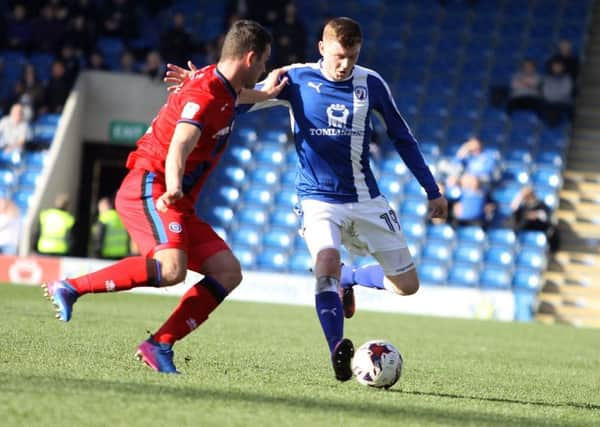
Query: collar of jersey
pixel 226 83
pixel 331 80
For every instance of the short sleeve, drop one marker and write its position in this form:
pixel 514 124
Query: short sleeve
pixel 196 110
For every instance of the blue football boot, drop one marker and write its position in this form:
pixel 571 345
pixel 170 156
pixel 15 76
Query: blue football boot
pixel 158 356
pixel 63 296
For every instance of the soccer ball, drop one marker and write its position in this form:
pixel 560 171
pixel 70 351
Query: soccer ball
pixel 378 364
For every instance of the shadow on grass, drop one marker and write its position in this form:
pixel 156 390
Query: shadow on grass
pixel 399 410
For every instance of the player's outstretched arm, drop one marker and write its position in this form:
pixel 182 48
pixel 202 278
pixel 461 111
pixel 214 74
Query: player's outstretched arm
pixel 267 89
pixel 438 208
pixel 176 75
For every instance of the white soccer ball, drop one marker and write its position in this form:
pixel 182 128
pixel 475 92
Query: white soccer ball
pixel 377 363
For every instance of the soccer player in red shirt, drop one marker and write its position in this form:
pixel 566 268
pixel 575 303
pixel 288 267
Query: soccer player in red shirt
pixel 156 199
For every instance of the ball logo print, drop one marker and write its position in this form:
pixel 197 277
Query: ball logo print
pixel 175 227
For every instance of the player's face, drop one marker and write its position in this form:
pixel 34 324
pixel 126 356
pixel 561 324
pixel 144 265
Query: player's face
pixel 257 68
pixel 338 60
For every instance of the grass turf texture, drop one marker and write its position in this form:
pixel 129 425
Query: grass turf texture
pixel 263 365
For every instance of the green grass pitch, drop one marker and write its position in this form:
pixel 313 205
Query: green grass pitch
pixel 267 365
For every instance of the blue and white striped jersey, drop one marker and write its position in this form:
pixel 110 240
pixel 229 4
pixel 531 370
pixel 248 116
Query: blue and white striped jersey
pixel 331 122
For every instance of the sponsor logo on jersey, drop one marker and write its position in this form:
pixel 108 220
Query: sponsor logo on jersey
pixel 175 227
pixel 337 115
pixel 189 110
pixel 315 86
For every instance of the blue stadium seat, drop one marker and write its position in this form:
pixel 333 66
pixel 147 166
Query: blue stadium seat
pixel 519 173
pixel 301 262
pixel 10 159
pixel 221 215
pixel 277 237
pixel 468 253
pixel 471 234
pixel 432 273
pixel 548 195
pixel 258 195
pixel 499 256
pixel 412 188
pixel 270 154
pixel 547 176
pixel 534 258
pixel 273 260
pixel 495 278
pixel 35 160
pixel 463 275
pixel 29 179
pixel 44 128
pixel 263 176
pixel 525 278
pixel 536 239
pixel 284 218
pixel 501 237
pixel 239 155
pixel 23 200
pixel 246 235
pixel 229 194
pixel 413 207
pixel 288 177
pixel 413 228
pixel 550 157
pixel 443 232
pixel 42 63
pixel 390 185
pixel 437 250
pixel 231 174
pixel 246 255
pixel 7 178
pixel 251 215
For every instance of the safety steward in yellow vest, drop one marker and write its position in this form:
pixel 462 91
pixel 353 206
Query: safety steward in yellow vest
pixel 111 239
pixel 56 225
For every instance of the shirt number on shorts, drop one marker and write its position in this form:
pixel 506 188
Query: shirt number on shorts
pixel 390 219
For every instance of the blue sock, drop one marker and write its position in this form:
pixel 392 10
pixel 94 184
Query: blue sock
pixel 330 310
pixel 369 276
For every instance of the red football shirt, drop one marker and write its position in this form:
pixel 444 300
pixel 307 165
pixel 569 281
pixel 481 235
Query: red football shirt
pixel 207 100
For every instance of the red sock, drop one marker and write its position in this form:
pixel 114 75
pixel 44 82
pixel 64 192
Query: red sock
pixel 193 309
pixel 125 274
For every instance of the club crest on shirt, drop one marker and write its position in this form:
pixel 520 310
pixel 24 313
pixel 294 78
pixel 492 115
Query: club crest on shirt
pixel 361 93
pixel 189 110
pixel 175 227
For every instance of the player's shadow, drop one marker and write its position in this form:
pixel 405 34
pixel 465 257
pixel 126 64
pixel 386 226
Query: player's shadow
pixel 396 407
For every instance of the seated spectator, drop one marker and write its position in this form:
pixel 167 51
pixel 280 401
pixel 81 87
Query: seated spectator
pixel 525 88
pixel 81 34
pixel 29 92
pixel 18 28
pixel 6 88
pixel 568 58
pixel 10 227
pixel 557 95
pixel 154 66
pixel 14 130
pixel 96 62
pixel 531 213
pixel 177 43
pixel 289 38
pixel 474 205
pixel 58 88
pixel 127 62
pixel 117 18
pixel 69 57
pixel 476 161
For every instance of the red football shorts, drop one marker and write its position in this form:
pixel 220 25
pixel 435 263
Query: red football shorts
pixel 152 230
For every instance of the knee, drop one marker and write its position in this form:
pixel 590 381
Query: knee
pixel 406 286
pixel 230 277
pixel 328 262
pixel 172 272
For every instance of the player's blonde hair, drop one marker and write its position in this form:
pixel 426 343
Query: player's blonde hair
pixel 344 30
pixel 245 36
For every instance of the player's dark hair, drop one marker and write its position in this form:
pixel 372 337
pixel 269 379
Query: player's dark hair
pixel 345 30
pixel 245 36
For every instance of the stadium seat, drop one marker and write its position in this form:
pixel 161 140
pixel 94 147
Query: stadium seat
pixel 271 155
pixel 501 237
pixel 534 258
pixel 273 260
pixel 471 234
pixel 229 194
pixel 258 196
pixel 44 128
pixel 467 253
pixel 231 174
pixel 413 228
pixel 536 239
pixel 284 218
pixel 246 255
pixel 221 215
pixel 462 274
pixel 390 185
pixel 301 262
pixel 432 273
pixel 499 256
pixel 278 237
pixel 443 232
pixel 437 250
pixel 263 176
pixel 286 198
pixel 239 155
pixel 547 176
pixel 246 235
pixel 495 278
pixel 251 215
pixel 525 278
pixel 413 207
pixel 10 159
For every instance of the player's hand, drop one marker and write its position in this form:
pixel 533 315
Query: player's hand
pixel 438 208
pixel 274 82
pixel 176 75
pixel 167 199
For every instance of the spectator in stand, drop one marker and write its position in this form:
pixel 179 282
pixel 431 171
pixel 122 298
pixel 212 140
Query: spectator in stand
pixel 47 30
pixel 10 227
pixel 154 66
pixel 96 61
pixel 568 58
pixel 118 19
pixel 476 161
pixel 557 95
pixel 531 213
pixel 85 8
pixel 29 92
pixel 267 12
pixel 82 35
pixel 18 28
pixel 127 62
pixel 70 59
pixel 525 89
pixel 14 130
pixel 56 228
pixel 474 205
pixel 58 88
pixel 289 38
pixel 177 43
